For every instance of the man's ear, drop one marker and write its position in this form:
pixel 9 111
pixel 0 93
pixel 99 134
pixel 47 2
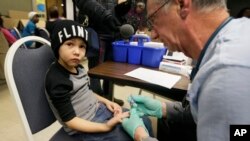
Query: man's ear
pixel 184 8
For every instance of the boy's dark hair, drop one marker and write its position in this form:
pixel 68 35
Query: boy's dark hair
pixel 65 30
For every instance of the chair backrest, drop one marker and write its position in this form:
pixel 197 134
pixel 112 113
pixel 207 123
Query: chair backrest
pixel 41 32
pixel 44 33
pixel 25 71
pixel 19 36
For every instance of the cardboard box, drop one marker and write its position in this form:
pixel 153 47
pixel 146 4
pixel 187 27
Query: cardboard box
pixel 18 14
pixel 4 47
pixel 10 22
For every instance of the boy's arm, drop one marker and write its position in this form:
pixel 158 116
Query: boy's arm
pixel 112 106
pixel 83 125
pixel 93 127
pixel 102 99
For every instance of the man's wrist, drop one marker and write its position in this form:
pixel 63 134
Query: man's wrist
pixel 140 134
pixel 164 110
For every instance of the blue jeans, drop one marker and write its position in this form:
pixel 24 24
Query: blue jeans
pixel 116 134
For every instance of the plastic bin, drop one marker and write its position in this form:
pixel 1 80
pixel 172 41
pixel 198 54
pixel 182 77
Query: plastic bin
pixel 135 51
pixel 134 54
pixel 152 56
pixel 139 50
pixel 140 38
pixel 123 51
pixel 120 50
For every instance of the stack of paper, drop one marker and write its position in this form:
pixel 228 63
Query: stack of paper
pixel 156 77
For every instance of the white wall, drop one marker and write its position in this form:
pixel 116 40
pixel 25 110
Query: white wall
pixel 69 9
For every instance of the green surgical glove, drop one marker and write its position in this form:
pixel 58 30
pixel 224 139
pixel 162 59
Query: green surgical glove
pixel 148 106
pixel 132 123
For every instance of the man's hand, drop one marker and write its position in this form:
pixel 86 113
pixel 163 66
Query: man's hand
pixel 118 118
pixel 132 123
pixel 148 106
pixel 121 1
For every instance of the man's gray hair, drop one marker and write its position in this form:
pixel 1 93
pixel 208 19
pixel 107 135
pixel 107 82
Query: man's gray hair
pixel 208 5
pixel 203 5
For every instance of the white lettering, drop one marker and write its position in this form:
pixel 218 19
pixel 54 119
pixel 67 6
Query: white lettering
pixel 60 36
pixel 87 35
pixel 237 132
pixel 66 33
pixel 243 131
pixel 80 31
pixel 74 30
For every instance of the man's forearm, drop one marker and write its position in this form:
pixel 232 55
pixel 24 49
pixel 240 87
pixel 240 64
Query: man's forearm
pixel 164 110
pixel 142 135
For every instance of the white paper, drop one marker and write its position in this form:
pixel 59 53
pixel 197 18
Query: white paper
pixel 156 77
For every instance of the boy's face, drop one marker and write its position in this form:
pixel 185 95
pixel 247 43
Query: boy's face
pixel 71 53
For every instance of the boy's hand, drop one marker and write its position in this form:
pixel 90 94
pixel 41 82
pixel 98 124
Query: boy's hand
pixel 114 107
pixel 116 119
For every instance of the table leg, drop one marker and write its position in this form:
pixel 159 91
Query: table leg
pixel 110 95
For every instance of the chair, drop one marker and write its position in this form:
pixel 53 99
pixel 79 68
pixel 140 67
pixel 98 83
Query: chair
pixel 43 32
pixel 25 71
pixel 18 34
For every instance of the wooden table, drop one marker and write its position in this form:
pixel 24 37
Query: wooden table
pixel 114 72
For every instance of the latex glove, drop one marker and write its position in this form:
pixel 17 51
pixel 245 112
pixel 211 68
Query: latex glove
pixel 148 106
pixel 131 102
pixel 134 105
pixel 118 118
pixel 134 121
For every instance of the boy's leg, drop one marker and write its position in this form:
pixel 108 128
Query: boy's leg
pixel 103 115
pixel 117 134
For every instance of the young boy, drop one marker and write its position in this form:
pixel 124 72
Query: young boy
pixel 83 114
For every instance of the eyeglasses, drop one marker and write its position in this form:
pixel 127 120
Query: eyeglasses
pixel 150 19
